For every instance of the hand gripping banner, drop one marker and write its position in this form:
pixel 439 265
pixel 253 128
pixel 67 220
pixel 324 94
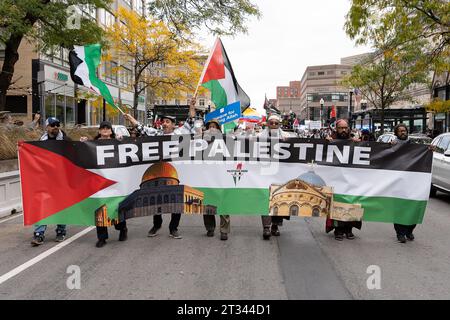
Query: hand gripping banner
pixel 105 181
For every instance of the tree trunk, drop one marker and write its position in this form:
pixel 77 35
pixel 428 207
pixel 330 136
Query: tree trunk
pixel 382 120
pixel 6 75
pixel 135 102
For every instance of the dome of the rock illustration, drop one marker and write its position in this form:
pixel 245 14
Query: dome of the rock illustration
pixel 160 170
pixel 312 178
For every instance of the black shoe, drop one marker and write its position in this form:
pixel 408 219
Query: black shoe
pixel 100 243
pixel 266 234
pixel 210 233
pixel 123 235
pixel 37 240
pixel 223 236
pixel 339 237
pixel 401 238
pixel 350 236
pixel 410 237
pixel 274 230
pixel 60 237
pixel 174 234
pixel 153 232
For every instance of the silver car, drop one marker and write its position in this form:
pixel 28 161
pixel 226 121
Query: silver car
pixel 440 179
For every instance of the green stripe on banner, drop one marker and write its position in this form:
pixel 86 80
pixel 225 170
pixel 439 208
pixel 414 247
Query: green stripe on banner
pixel 249 201
pixel 256 202
pixel 83 213
pixel 218 94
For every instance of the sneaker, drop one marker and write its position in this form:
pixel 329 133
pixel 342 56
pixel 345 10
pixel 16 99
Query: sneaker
pixel 410 237
pixel 223 236
pixel 174 234
pixel 401 238
pixel 350 236
pixel 37 240
pixel 210 233
pixel 339 237
pixel 100 243
pixel 123 235
pixel 274 230
pixel 60 237
pixel 152 232
pixel 266 234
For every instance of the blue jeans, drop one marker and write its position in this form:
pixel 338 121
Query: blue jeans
pixel 40 230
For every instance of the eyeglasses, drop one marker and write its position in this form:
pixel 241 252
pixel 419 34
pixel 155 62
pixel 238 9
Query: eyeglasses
pixel 54 125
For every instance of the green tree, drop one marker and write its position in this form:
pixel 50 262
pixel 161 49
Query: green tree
pixel 160 61
pixel 221 17
pixel 423 23
pixel 43 22
pixel 386 76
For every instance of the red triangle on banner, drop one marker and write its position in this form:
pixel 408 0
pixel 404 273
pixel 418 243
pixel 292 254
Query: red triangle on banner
pixel 51 183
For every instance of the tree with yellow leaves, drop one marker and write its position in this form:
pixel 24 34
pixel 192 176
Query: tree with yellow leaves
pixel 160 60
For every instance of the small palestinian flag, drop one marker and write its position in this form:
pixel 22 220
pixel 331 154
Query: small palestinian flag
pixel 84 61
pixel 218 77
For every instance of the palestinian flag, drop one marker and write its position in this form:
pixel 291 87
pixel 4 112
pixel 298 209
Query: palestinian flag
pixel 218 77
pixel 84 61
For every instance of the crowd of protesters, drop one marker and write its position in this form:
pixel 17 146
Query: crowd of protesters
pixel 272 128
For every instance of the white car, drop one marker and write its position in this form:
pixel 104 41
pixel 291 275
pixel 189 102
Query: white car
pixel 440 179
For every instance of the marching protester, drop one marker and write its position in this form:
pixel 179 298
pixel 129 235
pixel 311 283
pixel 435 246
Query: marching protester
pixel 53 132
pixel 341 227
pixel 169 127
pixel 105 132
pixel 273 130
pixel 213 128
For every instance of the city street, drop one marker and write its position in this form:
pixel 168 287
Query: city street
pixel 303 263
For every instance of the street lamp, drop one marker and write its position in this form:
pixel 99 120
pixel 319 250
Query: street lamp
pixel 321 109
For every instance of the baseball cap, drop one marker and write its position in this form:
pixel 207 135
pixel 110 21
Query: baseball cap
pixel 105 124
pixel 52 121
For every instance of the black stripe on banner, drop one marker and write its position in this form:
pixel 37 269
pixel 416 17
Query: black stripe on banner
pixel 340 153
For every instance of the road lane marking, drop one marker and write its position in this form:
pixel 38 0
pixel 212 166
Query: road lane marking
pixel 11 218
pixel 43 255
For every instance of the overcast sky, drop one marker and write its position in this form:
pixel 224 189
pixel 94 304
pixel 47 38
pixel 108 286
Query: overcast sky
pixel 290 35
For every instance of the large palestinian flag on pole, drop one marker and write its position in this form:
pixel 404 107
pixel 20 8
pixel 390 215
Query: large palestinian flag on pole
pixel 84 183
pixel 84 61
pixel 218 77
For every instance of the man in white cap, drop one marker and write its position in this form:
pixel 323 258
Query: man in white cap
pixel 273 128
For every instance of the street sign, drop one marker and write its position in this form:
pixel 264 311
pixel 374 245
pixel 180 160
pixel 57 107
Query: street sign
pixel 226 114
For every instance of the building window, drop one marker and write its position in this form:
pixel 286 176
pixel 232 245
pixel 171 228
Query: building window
pixel 145 202
pixel 201 102
pixel 166 198
pixel 275 210
pixel 320 73
pixel 293 210
pixel 311 73
pixel 172 198
pixel 330 72
pixel 152 200
pixel 106 18
pixel 343 72
pixel 177 102
pixel 159 199
pixel 126 77
pixel 315 212
pixel 110 71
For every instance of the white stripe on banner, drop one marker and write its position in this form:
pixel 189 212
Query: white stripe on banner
pixel 347 181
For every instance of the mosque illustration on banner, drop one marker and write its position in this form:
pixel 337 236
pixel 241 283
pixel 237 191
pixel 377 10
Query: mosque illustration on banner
pixel 161 192
pixel 309 196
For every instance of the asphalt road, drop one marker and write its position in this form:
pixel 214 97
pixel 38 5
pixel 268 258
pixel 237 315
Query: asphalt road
pixel 304 263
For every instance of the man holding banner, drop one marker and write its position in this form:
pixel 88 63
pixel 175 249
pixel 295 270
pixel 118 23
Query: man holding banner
pixel 341 227
pixel 169 126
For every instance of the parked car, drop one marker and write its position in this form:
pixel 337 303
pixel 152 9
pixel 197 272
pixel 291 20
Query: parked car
pixel 440 178
pixel 415 138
